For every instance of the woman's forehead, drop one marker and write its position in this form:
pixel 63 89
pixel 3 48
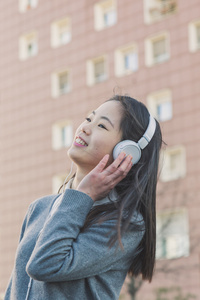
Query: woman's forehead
pixel 110 107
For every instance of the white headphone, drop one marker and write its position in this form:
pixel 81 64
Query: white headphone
pixel 133 148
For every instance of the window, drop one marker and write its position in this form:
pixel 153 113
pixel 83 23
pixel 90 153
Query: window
pixel 172 234
pixel 126 60
pixel 62 134
pixel 63 82
pixel 160 105
pixel 194 36
pixel 155 10
pixel 28 45
pixel 99 70
pixel 60 32
pixel 60 83
pixel 96 70
pixel 105 14
pixel 174 164
pixel 25 5
pixel 157 49
pixel 57 182
pixel 198 35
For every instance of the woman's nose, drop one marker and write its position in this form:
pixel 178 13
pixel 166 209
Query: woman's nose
pixel 86 129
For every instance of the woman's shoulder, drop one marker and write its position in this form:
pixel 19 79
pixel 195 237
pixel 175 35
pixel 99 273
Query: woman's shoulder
pixel 44 202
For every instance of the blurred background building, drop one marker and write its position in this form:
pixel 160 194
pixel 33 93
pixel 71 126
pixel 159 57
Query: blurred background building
pixel 58 60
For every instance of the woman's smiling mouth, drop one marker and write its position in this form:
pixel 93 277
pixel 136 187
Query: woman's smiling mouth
pixel 80 142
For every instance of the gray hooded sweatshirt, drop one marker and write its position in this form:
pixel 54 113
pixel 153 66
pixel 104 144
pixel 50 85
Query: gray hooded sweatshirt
pixel 55 260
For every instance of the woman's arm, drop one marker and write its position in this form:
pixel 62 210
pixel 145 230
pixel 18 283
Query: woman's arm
pixel 62 253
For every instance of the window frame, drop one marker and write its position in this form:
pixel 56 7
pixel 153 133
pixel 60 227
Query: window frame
pixel 172 242
pixel 158 98
pixel 56 41
pixel 24 5
pixel 194 43
pixel 167 172
pixel 155 11
pixel 149 52
pixel 23 45
pixel 57 181
pixel 56 91
pixel 100 8
pixel 90 66
pixel 120 68
pixel 57 134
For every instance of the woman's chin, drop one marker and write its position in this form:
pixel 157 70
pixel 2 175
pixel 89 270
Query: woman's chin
pixel 75 155
pixel 72 153
pixel 82 160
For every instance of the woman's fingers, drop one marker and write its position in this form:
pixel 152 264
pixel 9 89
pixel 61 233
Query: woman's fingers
pixel 121 166
pixel 119 160
pixel 101 165
pixel 102 179
pixel 117 171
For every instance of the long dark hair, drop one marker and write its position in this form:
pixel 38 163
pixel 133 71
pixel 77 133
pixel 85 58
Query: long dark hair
pixel 137 191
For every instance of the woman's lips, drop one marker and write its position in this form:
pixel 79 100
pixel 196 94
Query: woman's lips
pixel 80 142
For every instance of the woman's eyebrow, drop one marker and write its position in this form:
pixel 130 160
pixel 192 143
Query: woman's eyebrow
pixel 105 118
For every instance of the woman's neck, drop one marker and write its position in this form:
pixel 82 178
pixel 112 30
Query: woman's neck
pixel 80 174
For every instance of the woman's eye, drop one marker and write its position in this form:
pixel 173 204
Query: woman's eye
pixel 88 119
pixel 102 126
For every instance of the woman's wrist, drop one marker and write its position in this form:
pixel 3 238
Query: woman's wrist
pixel 87 192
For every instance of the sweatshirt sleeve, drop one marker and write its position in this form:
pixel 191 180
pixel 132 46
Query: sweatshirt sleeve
pixel 24 224
pixel 64 253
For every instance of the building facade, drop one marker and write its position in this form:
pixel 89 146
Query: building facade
pixel 59 60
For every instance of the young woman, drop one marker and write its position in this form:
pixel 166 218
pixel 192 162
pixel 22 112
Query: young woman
pixel 82 243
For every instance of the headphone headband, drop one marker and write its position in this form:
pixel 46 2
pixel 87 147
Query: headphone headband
pixel 146 138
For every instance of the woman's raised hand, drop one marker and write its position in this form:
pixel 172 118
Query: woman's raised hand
pixel 101 180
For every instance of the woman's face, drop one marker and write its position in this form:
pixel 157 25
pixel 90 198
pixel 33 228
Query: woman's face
pixel 97 136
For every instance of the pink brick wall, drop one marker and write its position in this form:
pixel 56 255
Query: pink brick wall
pixel 27 110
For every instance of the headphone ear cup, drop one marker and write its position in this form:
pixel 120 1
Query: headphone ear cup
pixel 129 147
